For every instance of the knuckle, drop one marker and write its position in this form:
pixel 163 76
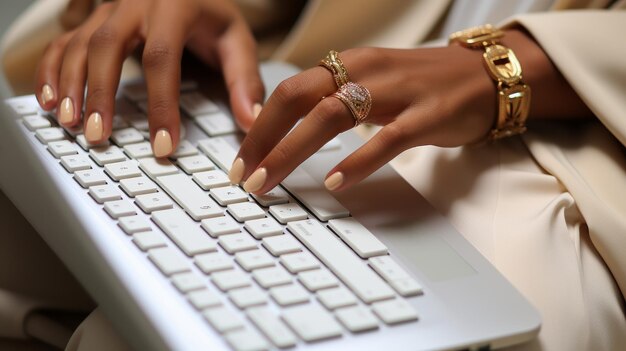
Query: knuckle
pixel 393 137
pixel 288 90
pixel 105 36
pixel 78 42
pixel 96 94
pixel 330 115
pixel 157 53
pixel 160 110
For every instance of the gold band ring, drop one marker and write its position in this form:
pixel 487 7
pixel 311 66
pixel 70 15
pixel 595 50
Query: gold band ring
pixel 333 63
pixel 357 98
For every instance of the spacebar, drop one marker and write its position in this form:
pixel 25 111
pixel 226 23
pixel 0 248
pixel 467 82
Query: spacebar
pixel 366 284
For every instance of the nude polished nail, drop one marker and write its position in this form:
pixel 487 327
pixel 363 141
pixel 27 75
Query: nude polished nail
pixel 47 94
pixel 334 181
pixel 162 143
pixel 256 109
pixel 256 180
pixel 236 171
pixel 66 111
pixel 94 129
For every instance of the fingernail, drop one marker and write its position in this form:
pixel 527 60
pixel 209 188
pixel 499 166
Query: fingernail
pixel 334 181
pixel 162 143
pixel 256 180
pixel 236 171
pixel 256 109
pixel 66 111
pixel 93 129
pixel 47 94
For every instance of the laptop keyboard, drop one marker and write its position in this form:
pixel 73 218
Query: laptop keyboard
pixel 292 260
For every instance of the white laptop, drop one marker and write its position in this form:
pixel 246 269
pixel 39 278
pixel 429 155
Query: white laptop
pixel 179 259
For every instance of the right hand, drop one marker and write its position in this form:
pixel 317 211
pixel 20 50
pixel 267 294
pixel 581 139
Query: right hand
pixel 93 54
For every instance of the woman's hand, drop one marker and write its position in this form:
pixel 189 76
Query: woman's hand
pixel 93 54
pixel 438 96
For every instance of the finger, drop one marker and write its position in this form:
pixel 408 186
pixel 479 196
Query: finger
pixel 237 53
pixel 294 97
pixel 389 142
pixel 329 118
pixel 47 78
pixel 106 54
pixel 161 61
pixel 73 73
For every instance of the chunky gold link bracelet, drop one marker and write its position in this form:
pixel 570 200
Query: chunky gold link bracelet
pixel 504 67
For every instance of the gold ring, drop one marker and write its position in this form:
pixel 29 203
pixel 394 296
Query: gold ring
pixel 333 63
pixel 357 98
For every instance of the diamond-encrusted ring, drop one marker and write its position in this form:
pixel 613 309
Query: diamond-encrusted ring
pixel 333 63
pixel 357 98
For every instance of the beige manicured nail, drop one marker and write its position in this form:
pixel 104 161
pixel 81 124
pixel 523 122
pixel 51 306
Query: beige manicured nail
pixel 94 130
pixel 256 180
pixel 236 171
pixel 162 143
pixel 47 94
pixel 66 111
pixel 334 181
pixel 256 109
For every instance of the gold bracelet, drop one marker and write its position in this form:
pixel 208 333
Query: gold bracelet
pixel 504 67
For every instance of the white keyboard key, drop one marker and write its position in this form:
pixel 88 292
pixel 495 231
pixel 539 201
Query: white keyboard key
pixel 245 211
pixel 336 297
pixel 189 196
pixel 118 123
pixel 82 141
pixel 359 238
pixel 22 107
pixel 134 224
pixel 153 202
pixel 220 225
pixel 148 240
pixel 394 311
pixel 140 125
pixel 216 124
pixel 103 193
pixel 62 148
pixel 73 163
pixel 34 122
pixel 395 275
pixel 228 195
pixel 271 276
pixel 231 279
pixel 138 186
pixel 108 154
pixel 195 104
pixel 119 208
pixel 223 319
pixel 250 260
pixel 46 135
pixel 281 244
pixel 317 279
pixel 357 318
pixel 157 167
pixel 246 297
pixel 74 131
pixel 275 196
pixel 218 150
pixel 299 261
pixel 272 327
pixel 211 179
pixel 288 295
pixel 139 150
pixel 263 227
pixel 196 163
pixel 187 281
pixel 183 231
pixel 233 243
pixel 213 262
pixel 204 298
pixel 90 177
pixel 184 149
pixel 368 286
pixel 122 170
pixel 168 260
pixel 246 340
pixel 288 212
pixel 312 323
pixel 314 196
pixel 126 136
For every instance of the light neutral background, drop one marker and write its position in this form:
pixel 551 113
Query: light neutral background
pixel 9 10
